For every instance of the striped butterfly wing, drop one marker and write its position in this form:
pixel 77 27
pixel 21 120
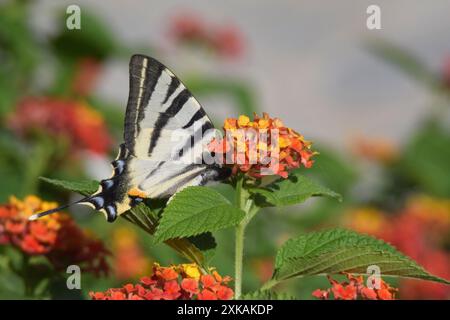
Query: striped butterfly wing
pixel 161 122
pixel 165 132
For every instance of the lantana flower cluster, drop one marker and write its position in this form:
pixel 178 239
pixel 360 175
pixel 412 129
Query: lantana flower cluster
pixel 56 236
pixel 178 282
pixel 261 146
pixel 130 261
pixel 355 289
pixel 73 120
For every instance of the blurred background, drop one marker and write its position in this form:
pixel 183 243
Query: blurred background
pixel 374 102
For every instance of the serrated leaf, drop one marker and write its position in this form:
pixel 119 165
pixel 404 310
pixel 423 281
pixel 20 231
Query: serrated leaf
pixel 293 190
pixel 338 250
pixel 267 295
pixel 198 250
pixel 196 210
pixel 84 187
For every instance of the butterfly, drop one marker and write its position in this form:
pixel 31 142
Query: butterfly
pixel 151 163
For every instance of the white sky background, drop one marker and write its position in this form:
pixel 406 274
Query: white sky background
pixel 304 58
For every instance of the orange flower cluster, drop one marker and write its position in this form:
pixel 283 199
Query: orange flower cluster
pixel 262 146
pixel 80 124
pixel 130 261
pixel 223 40
pixel 180 282
pixel 56 236
pixel 375 149
pixel 354 288
pixel 420 230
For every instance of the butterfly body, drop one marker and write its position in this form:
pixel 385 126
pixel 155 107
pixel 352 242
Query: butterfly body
pixel 165 133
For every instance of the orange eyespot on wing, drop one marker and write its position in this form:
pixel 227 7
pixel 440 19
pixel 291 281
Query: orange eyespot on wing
pixel 135 192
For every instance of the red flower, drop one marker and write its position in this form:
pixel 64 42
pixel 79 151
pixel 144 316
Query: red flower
pixel 172 289
pixel 166 273
pixel 148 281
pixel 228 41
pixel 320 294
pixel 190 285
pixel 354 289
pixel 344 292
pixel 207 280
pixel 57 237
pixel 115 295
pixel 165 284
pixel 369 294
pixel 71 120
pixel 207 295
pixel 224 293
pixel 262 146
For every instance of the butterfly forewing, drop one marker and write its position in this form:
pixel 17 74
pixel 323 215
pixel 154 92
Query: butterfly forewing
pixel 165 131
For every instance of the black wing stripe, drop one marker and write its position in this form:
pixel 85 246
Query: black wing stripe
pixel 174 84
pixel 144 75
pixel 191 141
pixel 154 170
pixel 154 72
pixel 197 116
pixel 163 118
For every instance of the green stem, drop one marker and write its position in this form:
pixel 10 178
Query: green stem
pixel 239 255
pixel 246 204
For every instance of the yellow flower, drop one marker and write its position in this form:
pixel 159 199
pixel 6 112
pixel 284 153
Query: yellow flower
pixel 263 123
pixel 284 142
pixel 191 270
pixel 243 121
pixel 229 124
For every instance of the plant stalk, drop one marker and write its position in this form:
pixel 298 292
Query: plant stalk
pixel 247 205
pixel 239 255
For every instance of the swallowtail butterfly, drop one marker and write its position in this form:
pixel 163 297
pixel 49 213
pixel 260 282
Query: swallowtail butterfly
pixel 158 105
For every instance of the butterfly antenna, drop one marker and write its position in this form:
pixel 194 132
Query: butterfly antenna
pixel 45 213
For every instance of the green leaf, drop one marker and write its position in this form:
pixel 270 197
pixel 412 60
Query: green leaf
pixel 196 210
pixel 267 295
pixel 198 249
pixel 338 250
pixel 293 190
pixel 84 187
